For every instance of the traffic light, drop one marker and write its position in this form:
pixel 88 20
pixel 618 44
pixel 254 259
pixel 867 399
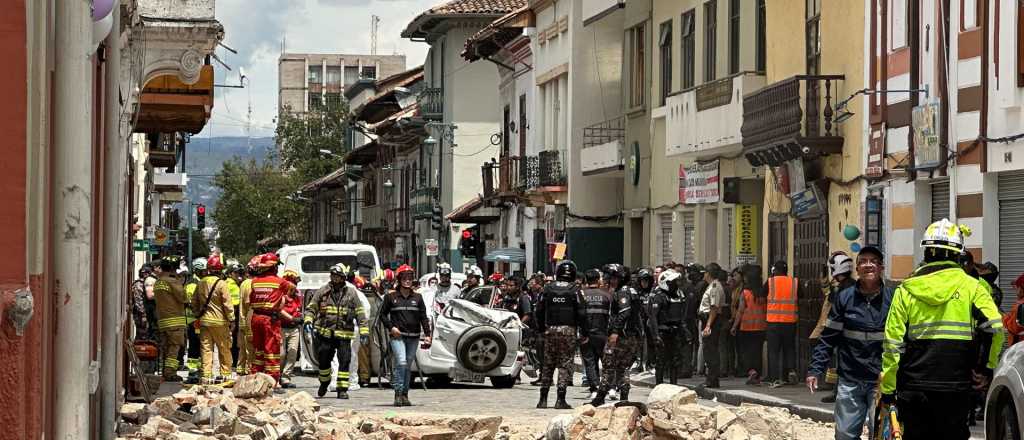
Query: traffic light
pixel 469 243
pixel 435 217
pixel 201 217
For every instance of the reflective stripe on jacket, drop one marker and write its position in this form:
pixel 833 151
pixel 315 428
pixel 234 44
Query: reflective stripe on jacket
pixel 336 312
pixel 754 313
pixel 854 329
pixel 170 303
pixel 942 326
pixel 213 293
pixel 782 299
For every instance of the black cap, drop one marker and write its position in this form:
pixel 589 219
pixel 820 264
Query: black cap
pixel 872 250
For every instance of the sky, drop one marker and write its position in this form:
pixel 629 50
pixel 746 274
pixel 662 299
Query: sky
pixel 258 28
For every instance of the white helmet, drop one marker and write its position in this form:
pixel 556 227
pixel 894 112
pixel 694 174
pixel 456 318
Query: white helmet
pixel 840 264
pixel 667 277
pixel 198 264
pixel 945 234
pixel 474 271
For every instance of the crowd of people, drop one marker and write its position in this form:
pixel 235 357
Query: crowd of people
pixel 928 344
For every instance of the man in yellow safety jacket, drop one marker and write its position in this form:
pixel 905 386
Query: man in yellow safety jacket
pixel 170 312
pixel 214 313
pixel 193 352
pixel 245 350
pixel 233 275
pixel 943 336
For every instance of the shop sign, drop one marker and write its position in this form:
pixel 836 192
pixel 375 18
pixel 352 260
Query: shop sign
pixel 807 203
pixel 747 233
pixel 698 183
pixel 140 245
pixel 876 152
pixel 926 124
pixel 430 245
pixel 559 253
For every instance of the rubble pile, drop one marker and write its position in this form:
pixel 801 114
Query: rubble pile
pixel 672 412
pixel 214 412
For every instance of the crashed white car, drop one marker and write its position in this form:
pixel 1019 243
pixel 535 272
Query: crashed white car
pixel 473 341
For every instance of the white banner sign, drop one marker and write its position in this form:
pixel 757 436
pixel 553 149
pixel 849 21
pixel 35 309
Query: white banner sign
pixel 430 245
pixel 698 183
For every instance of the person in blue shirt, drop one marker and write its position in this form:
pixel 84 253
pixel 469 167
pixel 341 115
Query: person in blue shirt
pixel 855 330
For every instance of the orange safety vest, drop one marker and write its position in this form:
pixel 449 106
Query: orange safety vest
pixel 782 305
pixel 754 311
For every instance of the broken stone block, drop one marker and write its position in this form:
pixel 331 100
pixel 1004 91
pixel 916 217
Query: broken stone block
pixel 426 433
pixel 162 406
pixel 254 386
pixel 736 432
pixel 134 413
pixel 584 410
pixel 185 398
pixel 125 429
pixel 723 418
pixel 225 424
pixel 303 401
pixel 160 425
pixel 623 421
pixel 558 427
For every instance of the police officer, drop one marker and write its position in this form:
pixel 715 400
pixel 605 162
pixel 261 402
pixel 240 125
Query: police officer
pixel 598 304
pixel 693 291
pixel 561 318
pixel 645 288
pixel 943 337
pixel 666 325
pixel 623 334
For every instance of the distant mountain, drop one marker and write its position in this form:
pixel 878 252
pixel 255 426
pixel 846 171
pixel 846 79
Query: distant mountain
pixel 204 157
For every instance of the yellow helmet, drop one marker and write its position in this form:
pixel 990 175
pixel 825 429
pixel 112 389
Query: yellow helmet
pixel 945 234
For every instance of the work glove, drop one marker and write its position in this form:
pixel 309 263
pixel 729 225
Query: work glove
pixel 888 399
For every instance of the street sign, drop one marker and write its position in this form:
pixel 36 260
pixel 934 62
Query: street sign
pixel 430 245
pixel 140 245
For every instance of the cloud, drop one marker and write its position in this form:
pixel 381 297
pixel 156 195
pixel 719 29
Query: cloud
pixel 258 29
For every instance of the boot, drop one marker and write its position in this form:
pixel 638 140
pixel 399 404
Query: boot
pixel 398 398
pixel 343 394
pixel 599 400
pixel 322 391
pixel 560 403
pixel 543 402
pixel 405 399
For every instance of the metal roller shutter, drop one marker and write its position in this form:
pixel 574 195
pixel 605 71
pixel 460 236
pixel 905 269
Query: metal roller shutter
pixel 689 228
pixel 665 230
pixel 1011 234
pixel 940 201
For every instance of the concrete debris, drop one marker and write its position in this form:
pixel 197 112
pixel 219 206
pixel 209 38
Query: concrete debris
pixel 254 386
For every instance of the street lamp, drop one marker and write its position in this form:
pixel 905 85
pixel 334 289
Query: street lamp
pixel 843 112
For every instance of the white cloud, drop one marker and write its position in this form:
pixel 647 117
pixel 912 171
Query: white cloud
pixel 257 29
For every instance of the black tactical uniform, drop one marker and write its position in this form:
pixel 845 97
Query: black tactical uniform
pixel 624 326
pixel 667 323
pixel 598 304
pixel 561 317
pixel 648 357
pixel 694 291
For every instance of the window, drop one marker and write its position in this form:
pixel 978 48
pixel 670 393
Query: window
pixel 665 48
pixel 1020 44
pixel 813 37
pixel 315 75
pixel 521 128
pixel 969 14
pixel 898 29
pixel 762 43
pixel 710 39
pixel 333 100
pixel 323 263
pixel 370 190
pixel 873 222
pixel 638 65
pixel 734 36
pixel 334 75
pixel 506 141
pixel 315 101
pixel 369 72
pixel 689 49
pixel 351 75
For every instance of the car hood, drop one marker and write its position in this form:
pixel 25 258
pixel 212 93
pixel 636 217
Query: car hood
pixel 475 314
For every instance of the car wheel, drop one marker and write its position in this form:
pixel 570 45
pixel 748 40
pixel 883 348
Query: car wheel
pixel 481 349
pixel 503 381
pixel 1008 428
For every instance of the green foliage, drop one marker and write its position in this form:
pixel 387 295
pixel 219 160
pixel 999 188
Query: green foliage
pixel 300 137
pixel 256 203
pixel 200 248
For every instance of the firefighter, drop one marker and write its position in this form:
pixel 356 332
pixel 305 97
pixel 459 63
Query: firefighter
pixel 170 311
pixel 269 293
pixel 943 337
pixel 623 335
pixel 561 317
pixel 244 317
pixel 232 276
pixel 214 315
pixel 666 324
pixel 194 362
pixel 291 331
pixel 332 315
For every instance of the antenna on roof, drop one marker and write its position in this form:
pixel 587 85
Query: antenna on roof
pixel 374 26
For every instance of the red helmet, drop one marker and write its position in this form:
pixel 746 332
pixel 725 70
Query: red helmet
pixel 389 275
pixel 254 262
pixel 497 276
pixel 268 260
pixel 359 282
pixel 214 263
pixel 403 269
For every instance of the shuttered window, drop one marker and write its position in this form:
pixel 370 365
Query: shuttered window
pixel 689 228
pixel 1011 234
pixel 665 237
pixel 940 201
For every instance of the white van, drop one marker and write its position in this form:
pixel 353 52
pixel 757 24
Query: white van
pixel 313 263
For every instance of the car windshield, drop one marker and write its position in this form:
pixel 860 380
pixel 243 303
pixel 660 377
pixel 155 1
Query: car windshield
pixel 479 295
pixel 323 263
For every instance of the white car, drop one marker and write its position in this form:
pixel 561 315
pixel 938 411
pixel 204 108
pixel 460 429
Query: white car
pixel 1004 406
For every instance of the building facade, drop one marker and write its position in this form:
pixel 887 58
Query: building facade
pixel 307 81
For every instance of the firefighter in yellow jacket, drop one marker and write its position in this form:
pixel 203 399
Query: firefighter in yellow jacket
pixel 170 312
pixel 943 336
pixel 212 306
pixel 245 350
pixel 332 315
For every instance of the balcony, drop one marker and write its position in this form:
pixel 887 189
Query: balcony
pixel 163 182
pixel 790 119
pixel 552 169
pixel 432 103
pixel 423 200
pixel 163 149
pixel 401 220
pixel 316 87
pixel 543 178
pixel 500 179
pixel 602 152
pixel 707 119
pixel 374 218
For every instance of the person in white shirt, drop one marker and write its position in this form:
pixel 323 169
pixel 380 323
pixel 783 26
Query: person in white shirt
pixel 711 304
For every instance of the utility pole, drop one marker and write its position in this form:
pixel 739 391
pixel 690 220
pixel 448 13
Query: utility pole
pixel 188 209
pixel 374 26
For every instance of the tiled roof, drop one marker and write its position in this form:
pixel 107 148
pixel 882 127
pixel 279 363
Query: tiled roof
pixel 477 7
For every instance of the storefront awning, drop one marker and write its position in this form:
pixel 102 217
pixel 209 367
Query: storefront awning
pixel 474 211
